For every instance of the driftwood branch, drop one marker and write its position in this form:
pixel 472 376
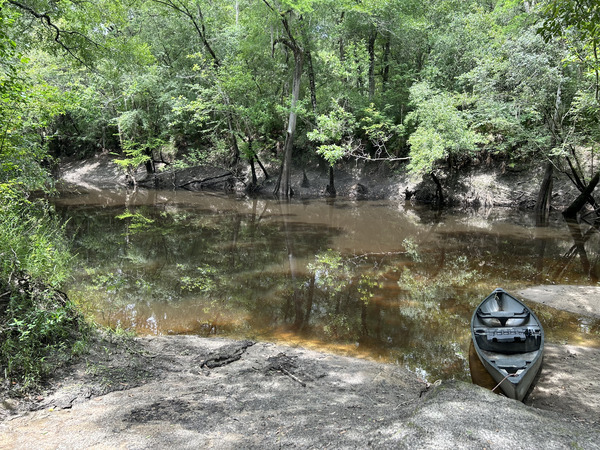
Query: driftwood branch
pixel 204 180
pixel 277 363
pixel 226 355
pixel 292 376
pixel 388 159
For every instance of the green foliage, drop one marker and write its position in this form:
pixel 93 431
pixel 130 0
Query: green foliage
pixel 575 25
pixel 563 17
pixel 198 77
pixel 39 331
pixel 379 128
pixel 366 284
pixel 20 152
pixel 335 132
pixel 136 221
pixel 515 92
pixel 32 243
pixel 39 328
pixel 193 157
pixel 136 155
pixel 441 129
pixel 339 133
pixel 204 281
pixel 301 6
pixel 456 274
pixel 412 250
pixel 330 271
pixel 585 114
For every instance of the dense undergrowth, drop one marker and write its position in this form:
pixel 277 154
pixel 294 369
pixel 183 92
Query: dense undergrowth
pixel 39 327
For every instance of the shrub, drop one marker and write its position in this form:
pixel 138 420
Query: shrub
pixel 38 325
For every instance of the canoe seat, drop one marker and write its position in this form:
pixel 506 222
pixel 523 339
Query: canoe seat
pixel 511 365
pixel 503 316
pixel 508 339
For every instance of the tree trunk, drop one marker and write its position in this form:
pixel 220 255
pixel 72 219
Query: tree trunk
pixel 582 199
pixel 330 190
pixel 579 244
pixel 311 82
pixel 261 166
pixel 284 187
pixel 386 63
pixel 296 298
pixel 542 205
pixel 439 191
pixel 254 179
pixel 371 51
pixel 578 180
pixel 252 158
pixel 235 157
pixel 371 93
pixel 341 41
pixel 149 166
pixel 305 183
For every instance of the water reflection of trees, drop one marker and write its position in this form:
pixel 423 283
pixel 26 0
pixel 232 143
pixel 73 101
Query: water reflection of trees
pixel 215 262
pixel 397 305
pixel 263 271
pixel 582 237
pixel 582 213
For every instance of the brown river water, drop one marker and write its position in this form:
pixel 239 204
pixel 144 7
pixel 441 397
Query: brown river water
pixel 375 279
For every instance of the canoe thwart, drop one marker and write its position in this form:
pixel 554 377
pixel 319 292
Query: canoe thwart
pixel 503 316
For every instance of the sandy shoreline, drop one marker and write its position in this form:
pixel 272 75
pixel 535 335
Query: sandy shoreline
pixel 582 300
pixel 192 392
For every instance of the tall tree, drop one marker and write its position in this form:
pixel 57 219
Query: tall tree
pixel 290 39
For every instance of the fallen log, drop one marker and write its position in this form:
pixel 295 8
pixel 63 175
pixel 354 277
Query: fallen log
pixel 571 211
pixel 226 355
pixel 204 180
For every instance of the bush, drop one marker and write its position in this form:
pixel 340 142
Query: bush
pixel 38 325
pixel 39 331
pixel 32 242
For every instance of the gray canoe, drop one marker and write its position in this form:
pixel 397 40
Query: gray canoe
pixel 509 341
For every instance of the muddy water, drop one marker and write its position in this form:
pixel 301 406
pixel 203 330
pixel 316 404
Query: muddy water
pixel 378 279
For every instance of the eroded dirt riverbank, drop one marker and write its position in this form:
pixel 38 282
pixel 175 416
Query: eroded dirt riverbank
pixel 483 187
pixel 191 392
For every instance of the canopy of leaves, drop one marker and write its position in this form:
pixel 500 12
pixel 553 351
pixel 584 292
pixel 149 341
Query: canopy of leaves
pixel 441 129
pixel 195 80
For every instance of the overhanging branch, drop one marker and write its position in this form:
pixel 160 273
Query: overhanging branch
pixel 58 32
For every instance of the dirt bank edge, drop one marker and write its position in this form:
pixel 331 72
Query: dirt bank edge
pixel 191 392
pixel 582 300
pixel 476 187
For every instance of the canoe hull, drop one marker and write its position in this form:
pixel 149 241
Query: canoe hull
pixel 515 390
pixel 509 341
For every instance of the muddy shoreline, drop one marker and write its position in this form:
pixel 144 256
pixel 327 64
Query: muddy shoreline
pixel 191 392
